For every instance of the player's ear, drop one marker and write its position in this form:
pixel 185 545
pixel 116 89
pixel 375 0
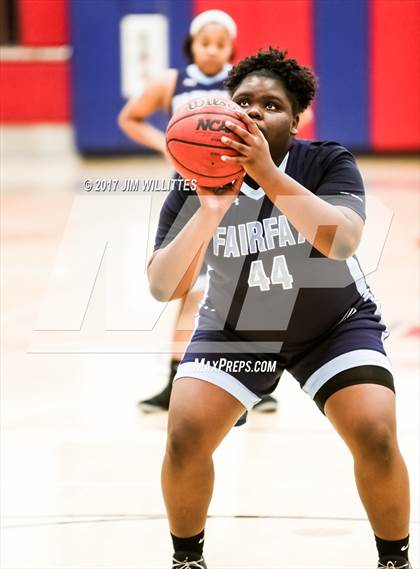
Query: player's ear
pixel 294 125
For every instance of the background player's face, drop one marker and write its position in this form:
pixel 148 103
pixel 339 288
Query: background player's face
pixel 211 48
pixel 267 102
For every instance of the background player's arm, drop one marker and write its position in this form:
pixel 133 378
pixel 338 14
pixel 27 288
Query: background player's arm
pixel 132 118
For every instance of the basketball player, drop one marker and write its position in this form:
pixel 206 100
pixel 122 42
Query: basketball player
pixel 209 47
pixel 285 286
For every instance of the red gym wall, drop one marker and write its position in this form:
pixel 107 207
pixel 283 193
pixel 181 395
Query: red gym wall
pixel 38 90
pixel 262 23
pixel 375 100
pixel 43 22
pixel 376 105
pixel 395 74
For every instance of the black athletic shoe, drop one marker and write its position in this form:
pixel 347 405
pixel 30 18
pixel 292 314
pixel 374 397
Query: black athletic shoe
pixel 185 560
pixel 267 405
pixel 393 563
pixel 242 420
pixel 159 402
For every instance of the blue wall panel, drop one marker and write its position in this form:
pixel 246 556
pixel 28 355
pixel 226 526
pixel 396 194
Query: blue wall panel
pixel 96 77
pixel 341 36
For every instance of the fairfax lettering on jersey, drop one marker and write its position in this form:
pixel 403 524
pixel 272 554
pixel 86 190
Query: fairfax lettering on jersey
pixel 211 124
pixel 240 240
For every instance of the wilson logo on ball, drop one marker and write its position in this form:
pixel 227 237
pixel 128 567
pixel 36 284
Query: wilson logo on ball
pixel 211 101
pixel 193 141
pixel 211 124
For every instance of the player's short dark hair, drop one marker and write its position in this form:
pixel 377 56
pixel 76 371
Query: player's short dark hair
pixel 300 82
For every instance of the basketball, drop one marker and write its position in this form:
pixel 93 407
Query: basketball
pixel 193 141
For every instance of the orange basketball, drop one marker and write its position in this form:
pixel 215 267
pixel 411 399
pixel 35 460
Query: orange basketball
pixel 193 141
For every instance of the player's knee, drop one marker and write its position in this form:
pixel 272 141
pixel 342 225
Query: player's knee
pixel 375 441
pixel 186 441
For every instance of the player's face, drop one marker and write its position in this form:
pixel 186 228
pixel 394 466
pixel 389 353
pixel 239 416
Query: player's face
pixel 267 102
pixel 211 48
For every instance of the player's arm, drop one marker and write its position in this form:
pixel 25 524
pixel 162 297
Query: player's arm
pixel 173 269
pixel 333 230
pixel 156 96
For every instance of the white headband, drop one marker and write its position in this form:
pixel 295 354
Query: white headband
pixel 213 17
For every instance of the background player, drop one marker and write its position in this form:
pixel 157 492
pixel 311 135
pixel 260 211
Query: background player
pixel 333 342
pixel 210 48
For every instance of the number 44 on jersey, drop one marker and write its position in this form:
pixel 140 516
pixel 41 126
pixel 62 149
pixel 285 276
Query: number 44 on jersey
pixel 279 274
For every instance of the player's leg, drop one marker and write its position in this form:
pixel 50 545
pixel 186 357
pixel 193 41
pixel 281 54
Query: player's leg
pixel 364 416
pixel 183 328
pixel 211 391
pixel 200 416
pixel 349 377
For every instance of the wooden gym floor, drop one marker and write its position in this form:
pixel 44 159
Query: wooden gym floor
pixel 81 466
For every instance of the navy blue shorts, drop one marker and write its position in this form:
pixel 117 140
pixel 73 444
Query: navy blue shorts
pixel 352 352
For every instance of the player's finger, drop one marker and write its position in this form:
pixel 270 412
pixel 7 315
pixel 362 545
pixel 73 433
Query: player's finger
pixel 242 148
pixel 233 188
pixel 238 182
pixel 203 191
pixel 239 131
pixel 252 127
pixel 234 159
pixel 226 189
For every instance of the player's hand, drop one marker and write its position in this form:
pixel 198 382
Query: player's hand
pixel 221 198
pixel 254 151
